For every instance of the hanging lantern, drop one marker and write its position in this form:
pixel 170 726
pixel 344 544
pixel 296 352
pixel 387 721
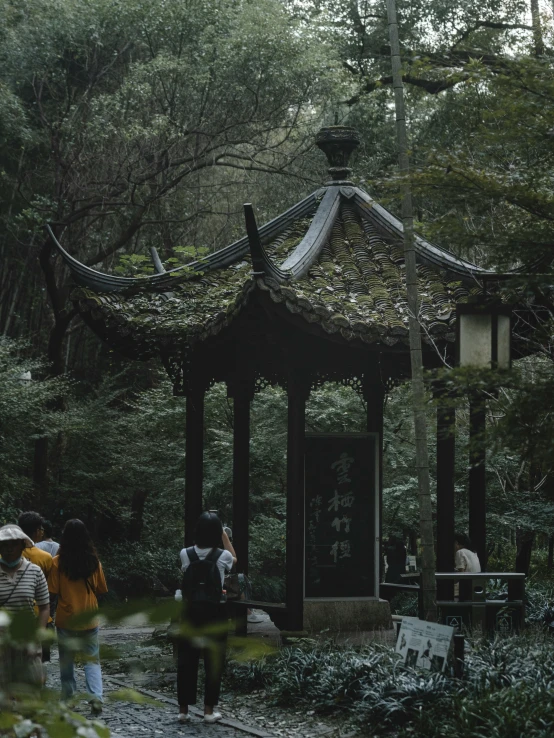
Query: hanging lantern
pixel 483 334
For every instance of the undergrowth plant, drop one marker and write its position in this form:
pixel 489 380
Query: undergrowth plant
pixel 506 690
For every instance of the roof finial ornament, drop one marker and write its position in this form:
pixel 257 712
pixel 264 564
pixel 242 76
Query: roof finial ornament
pixel 337 143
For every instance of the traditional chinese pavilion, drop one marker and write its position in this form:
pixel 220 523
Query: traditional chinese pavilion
pixel 316 295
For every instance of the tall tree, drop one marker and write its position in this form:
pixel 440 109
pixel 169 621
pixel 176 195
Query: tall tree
pixel 416 356
pixel 537 30
pixel 126 112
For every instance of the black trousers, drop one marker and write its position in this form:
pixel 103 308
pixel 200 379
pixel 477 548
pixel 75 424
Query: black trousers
pixel 212 646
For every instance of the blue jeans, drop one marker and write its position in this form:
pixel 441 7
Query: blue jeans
pixel 87 646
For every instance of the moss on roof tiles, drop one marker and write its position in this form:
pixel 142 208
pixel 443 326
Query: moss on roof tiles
pixel 357 289
pixel 358 286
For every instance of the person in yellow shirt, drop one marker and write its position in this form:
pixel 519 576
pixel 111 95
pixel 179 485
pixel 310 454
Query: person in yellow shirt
pixel 77 579
pixel 31 524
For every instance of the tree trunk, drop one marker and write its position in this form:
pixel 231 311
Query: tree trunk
pixel 524 541
pixel 418 388
pixel 56 354
pixel 40 471
pixel 62 317
pixel 137 515
pixel 537 30
pixel 550 552
pixel 44 455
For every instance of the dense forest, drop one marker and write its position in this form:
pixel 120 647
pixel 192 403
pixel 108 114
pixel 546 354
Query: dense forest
pixel 131 124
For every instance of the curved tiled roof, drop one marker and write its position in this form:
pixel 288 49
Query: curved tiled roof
pixel 335 260
pixel 342 268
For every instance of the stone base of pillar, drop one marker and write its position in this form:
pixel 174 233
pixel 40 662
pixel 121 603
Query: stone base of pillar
pixel 346 615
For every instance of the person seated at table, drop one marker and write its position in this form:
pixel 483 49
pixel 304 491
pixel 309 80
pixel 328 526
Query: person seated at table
pixel 465 557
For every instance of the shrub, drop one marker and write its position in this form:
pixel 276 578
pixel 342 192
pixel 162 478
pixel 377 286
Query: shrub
pixel 404 603
pixel 506 691
pixel 370 679
pixel 539 599
pixel 137 569
pixel 267 589
pixel 267 558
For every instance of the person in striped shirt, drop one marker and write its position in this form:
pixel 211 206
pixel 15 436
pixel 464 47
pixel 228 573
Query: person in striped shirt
pixel 22 584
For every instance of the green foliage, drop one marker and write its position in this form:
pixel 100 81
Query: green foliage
pixel 25 399
pixel 134 569
pixel 118 119
pixel 505 691
pixel 404 603
pixel 369 680
pixel 126 112
pixel 539 597
pixel 267 558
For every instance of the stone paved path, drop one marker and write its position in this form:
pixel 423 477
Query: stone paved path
pixel 243 714
pixel 126 719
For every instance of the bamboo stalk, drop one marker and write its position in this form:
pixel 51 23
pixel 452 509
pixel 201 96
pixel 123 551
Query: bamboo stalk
pixel 537 29
pixel 416 357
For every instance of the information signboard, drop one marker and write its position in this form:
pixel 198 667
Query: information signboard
pixel 341 551
pixel 423 644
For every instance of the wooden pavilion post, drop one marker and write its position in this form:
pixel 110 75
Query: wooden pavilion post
pixel 477 478
pixel 374 395
pixel 298 391
pixel 446 450
pixel 242 392
pixel 194 459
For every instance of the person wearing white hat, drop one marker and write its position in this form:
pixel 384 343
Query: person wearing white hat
pixel 21 585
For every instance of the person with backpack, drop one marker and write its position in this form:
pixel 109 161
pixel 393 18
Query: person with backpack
pixel 204 566
pixel 77 579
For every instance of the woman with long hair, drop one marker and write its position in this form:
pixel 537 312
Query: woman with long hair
pixel 77 578
pixel 204 565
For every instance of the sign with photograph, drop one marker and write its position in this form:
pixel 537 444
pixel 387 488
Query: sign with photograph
pixel 423 644
pixel 340 514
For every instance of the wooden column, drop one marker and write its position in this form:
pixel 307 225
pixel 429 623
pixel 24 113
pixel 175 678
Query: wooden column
pixel 446 449
pixel 477 477
pixel 374 395
pixel 194 460
pixel 298 392
pixel 242 392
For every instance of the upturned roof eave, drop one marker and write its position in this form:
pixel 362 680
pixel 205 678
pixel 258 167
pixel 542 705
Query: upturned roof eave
pixel 298 262
pixel 93 279
pixel 307 252
pixel 426 251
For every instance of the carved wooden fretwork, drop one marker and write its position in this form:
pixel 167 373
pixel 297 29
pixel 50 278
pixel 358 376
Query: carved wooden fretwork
pixel 355 382
pixel 269 379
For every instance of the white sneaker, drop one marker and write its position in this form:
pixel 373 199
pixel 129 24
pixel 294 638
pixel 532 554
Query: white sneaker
pixel 213 718
pixel 184 717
